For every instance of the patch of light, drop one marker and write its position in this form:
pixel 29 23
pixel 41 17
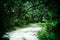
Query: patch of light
pixel 29 33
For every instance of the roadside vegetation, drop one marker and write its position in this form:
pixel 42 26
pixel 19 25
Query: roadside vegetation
pixel 18 13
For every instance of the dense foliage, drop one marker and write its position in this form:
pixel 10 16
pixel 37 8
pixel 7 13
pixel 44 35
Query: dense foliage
pixel 16 13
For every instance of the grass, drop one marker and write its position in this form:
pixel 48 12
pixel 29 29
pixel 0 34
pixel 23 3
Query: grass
pixel 44 34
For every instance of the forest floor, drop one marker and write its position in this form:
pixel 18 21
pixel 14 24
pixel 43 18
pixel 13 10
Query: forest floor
pixel 27 33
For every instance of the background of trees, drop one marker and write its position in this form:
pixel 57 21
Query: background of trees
pixel 21 12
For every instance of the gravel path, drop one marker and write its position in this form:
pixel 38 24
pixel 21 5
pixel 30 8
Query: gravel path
pixel 29 33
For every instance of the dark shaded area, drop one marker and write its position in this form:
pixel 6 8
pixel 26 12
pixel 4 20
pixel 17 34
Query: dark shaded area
pixel 5 38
